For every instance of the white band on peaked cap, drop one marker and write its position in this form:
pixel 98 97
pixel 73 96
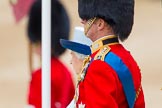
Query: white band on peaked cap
pixel 80 43
pixel 79 36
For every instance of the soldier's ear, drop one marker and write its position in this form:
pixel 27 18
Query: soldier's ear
pixel 100 24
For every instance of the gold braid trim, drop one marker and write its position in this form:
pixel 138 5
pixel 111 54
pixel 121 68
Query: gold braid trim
pixel 138 92
pixel 102 53
pixel 84 68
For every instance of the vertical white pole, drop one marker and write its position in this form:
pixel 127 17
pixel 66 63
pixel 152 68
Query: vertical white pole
pixel 46 53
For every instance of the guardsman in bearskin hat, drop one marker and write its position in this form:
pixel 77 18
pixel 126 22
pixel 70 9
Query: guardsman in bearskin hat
pixel 62 87
pixel 110 77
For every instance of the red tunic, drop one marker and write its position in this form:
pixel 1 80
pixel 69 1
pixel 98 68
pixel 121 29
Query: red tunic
pixel 62 88
pixel 101 87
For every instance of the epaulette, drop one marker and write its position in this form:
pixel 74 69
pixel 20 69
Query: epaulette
pixel 102 53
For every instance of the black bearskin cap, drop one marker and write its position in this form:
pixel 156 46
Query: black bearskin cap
pixel 60 25
pixel 119 14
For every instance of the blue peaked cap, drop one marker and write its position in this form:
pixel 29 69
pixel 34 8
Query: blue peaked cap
pixel 76 47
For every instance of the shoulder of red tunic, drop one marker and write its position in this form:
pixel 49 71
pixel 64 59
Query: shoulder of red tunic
pixel 132 65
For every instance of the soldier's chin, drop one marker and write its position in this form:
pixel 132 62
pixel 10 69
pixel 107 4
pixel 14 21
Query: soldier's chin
pixel 87 35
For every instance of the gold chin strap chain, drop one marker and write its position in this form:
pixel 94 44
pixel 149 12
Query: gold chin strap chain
pixel 89 24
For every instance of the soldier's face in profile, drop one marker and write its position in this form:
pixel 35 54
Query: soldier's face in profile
pixel 90 28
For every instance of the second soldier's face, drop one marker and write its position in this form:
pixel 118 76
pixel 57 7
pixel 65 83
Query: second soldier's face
pixel 37 48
